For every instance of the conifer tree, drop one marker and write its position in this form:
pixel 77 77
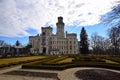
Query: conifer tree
pixel 83 42
pixel 17 43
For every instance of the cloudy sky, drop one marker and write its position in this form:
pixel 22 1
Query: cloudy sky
pixel 22 18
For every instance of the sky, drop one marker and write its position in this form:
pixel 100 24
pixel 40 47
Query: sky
pixel 20 19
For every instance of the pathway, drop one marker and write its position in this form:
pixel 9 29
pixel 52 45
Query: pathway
pixel 17 73
pixel 69 74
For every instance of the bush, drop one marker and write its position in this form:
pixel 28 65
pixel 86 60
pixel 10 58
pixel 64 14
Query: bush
pixel 90 59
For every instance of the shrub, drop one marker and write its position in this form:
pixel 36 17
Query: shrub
pixel 7 62
pixel 53 64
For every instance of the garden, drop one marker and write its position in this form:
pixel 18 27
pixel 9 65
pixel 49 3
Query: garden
pixel 61 62
pixel 64 62
pixel 12 61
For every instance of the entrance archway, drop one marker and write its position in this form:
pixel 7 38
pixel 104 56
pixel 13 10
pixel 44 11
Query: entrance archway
pixel 44 50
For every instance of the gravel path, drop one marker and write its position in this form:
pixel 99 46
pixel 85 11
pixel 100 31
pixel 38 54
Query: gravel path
pixel 16 73
pixel 70 74
pixel 97 74
pixel 12 77
pixel 80 73
pixel 33 74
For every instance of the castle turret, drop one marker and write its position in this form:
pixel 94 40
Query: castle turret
pixel 60 28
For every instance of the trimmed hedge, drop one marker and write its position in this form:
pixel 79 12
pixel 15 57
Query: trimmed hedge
pixel 116 59
pixel 52 63
pixel 90 59
pixel 40 62
pixel 65 66
pixel 71 65
pixel 15 61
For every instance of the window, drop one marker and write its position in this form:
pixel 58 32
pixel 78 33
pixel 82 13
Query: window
pixel 70 47
pixel 74 42
pixel 43 33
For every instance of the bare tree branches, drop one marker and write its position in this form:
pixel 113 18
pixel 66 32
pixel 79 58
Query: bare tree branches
pixel 111 45
pixel 114 36
pixel 112 17
pixel 3 43
pixel 99 44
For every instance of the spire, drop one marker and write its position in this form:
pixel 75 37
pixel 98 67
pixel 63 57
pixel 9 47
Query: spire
pixel 60 19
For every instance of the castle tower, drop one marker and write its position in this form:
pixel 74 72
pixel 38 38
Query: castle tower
pixel 60 28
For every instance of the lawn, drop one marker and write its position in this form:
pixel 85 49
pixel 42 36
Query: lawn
pixel 110 61
pixel 67 60
pixel 5 62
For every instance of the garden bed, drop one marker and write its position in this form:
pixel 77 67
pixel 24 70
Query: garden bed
pixel 7 62
pixel 57 63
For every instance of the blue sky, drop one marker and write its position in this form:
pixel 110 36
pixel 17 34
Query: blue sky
pixel 21 18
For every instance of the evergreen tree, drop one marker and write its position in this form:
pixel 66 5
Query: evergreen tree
pixel 17 43
pixel 83 42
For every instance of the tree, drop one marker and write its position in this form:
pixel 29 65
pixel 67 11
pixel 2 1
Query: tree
pixel 112 18
pixel 99 44
pixel 17 43
pixel 3 43
pixel 114 36
pixel 83 42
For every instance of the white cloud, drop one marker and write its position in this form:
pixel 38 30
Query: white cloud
pixel 17 16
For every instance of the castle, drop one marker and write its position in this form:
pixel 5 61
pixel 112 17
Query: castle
pixel 54 44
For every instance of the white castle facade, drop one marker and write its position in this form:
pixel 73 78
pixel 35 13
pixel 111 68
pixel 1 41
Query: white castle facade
pixel 54 44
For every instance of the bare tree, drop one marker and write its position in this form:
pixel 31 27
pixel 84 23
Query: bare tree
pixel 99 44
pixel 3 43
pixel 112 18
pixel 114 36
pixel 96 43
